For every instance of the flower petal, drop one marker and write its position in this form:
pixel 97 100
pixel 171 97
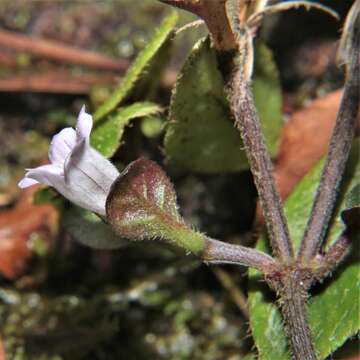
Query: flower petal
pixel 88 197
pixel 46 174
pixel 92 175
pixel 94 166
pixel 61 146
pixel 26 182
pixel 83 125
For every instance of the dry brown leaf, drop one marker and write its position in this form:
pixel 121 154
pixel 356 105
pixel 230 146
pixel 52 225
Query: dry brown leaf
pixel 313 59
pixel 304 141
pixel 18 226
pixel 2 349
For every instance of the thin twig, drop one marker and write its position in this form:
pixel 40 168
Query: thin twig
pixel 257 16
pixel 339 150
pixel 346 40
pixel 7 60
pixel 333 257
pixel 236 294
pixel 191 25
pixel 60 52
pixel 60 81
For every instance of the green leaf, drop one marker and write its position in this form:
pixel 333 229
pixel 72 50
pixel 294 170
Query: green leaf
pixel 265 318
pixel 299 203
pixel 200 135
pixel 268 96
pixel 87 228
pixel 48 195
pixel 352 179
pixel 249 356
pixel 152 126
pixel 107 135
pixel 333 311
pixel 353 200
pixel 142 205
pixel 163 34
pixel 351 215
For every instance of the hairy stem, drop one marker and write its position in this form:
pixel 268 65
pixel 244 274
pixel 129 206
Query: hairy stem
pixel 293 303
pixel 247 121
pixel 333 257
pixel 218 252
pixel 339 150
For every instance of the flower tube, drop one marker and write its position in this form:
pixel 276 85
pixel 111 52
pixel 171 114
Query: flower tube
pixel 77 171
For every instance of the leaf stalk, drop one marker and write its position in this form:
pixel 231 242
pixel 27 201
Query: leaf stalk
pixel 338 154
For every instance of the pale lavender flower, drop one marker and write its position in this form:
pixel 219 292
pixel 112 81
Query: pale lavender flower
pixel 77 171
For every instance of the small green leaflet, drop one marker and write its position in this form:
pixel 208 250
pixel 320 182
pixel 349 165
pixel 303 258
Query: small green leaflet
pixel 47 195
pixel 107 135
pixel 163 34
pixel 87 228
pixel 152 126
pixel 268 96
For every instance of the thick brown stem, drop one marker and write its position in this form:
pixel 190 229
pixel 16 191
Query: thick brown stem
pixel 248 123
pixel 339 150
pixel 214 15
pixel 293 303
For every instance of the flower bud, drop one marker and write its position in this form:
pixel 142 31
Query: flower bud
pixel 142 205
